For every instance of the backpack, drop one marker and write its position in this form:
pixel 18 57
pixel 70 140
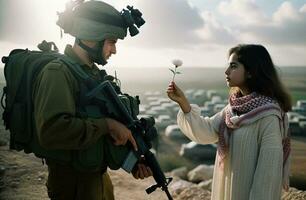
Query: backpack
pixel 21 68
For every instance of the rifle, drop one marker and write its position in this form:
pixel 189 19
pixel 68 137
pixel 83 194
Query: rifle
pixel 104 96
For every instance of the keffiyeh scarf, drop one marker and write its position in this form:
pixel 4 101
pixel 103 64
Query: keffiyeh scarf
pixel 243 110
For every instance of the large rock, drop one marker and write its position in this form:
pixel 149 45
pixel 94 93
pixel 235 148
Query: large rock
pixel 201 173
pixel 184 190
pixel 2 171
pixel 177 186
pixel 294 194
pixel 180 172
pixel 174 133
pixel 3 142
pixel 206 185
pixel 193 193
pixel 198 152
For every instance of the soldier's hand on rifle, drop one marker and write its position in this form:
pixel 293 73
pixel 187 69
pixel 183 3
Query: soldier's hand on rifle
pixel 120 133
pixel 141 171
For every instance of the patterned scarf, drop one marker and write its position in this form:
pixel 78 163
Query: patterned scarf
pixel 249 109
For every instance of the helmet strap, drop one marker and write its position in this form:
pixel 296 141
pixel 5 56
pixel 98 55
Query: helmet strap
pixel 94 53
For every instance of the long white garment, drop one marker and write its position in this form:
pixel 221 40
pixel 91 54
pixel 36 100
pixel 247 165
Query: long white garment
pixel 253 166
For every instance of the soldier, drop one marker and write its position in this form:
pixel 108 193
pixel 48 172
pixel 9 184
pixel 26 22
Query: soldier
pixel 96 27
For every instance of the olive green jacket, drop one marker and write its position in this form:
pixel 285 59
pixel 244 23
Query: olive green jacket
pixel 55 93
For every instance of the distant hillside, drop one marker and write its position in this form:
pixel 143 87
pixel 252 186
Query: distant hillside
pixel 139 80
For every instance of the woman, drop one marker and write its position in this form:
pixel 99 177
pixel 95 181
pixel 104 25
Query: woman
pixel 251 131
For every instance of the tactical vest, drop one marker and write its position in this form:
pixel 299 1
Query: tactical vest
pixel 103 153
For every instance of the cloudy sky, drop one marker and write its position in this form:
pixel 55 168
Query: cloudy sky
pixel 199 32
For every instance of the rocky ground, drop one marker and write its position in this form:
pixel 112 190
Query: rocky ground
pixel 23 177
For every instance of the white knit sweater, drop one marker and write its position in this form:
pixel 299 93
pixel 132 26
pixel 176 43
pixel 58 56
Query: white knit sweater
pixel 254 163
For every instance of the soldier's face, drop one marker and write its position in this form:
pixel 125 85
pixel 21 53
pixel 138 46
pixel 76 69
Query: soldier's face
pixel 109 48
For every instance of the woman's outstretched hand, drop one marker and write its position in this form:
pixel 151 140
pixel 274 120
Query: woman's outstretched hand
pixel 177 95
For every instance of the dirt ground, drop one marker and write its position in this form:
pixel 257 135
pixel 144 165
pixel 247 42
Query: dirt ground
pixel 25 178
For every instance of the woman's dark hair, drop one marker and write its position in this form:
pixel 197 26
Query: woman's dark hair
pixel 264 78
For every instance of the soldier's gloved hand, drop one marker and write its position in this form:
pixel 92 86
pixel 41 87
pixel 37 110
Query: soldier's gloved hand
pixel 141 171
pixel 120 133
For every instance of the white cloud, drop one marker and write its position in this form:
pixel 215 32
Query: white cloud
pixel 282 32
pixel 303 9
pixel 169 24
pixel 178 24
pixel 287 25
pixel 213 32
pixel 174 29
pixel 241 11
pixel 286 13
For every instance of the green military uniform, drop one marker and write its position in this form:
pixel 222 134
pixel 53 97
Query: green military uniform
pixel 55 94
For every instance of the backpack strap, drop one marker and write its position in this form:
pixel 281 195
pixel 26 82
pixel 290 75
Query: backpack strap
pixel 86 83
pixel 73 66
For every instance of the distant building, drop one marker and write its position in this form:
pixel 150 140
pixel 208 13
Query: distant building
pixel 301 104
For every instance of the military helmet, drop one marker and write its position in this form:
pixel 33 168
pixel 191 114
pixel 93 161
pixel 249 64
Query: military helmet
pixel 97 21
pixel 92 20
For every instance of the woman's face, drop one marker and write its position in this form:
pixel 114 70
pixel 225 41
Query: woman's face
pixel 235 73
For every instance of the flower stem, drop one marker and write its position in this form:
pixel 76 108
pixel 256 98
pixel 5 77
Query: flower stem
pixel 174 73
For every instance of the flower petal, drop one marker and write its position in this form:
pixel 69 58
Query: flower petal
pixel 177 62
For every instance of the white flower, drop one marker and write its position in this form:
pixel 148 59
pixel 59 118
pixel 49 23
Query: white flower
pixel 177 62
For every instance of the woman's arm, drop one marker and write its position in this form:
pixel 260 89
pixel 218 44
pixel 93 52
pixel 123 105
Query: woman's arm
pixel 193 125
pixel 200 129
